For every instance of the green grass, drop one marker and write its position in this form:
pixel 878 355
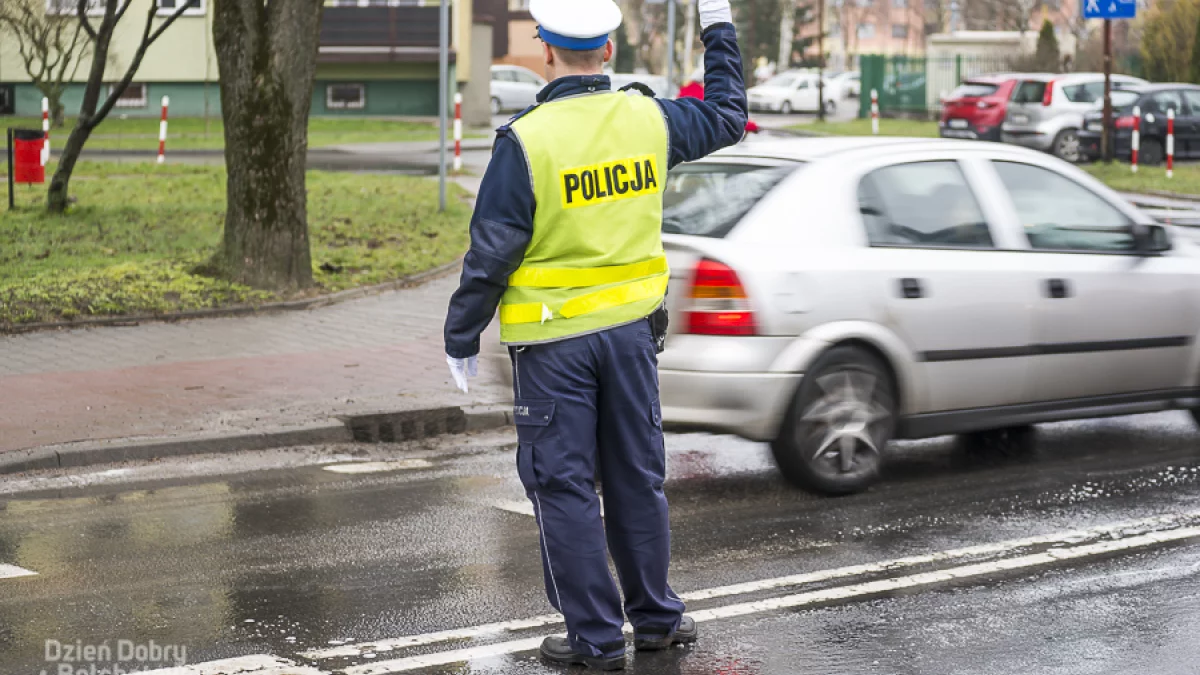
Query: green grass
pixel 887 127
pixel 1118 176
pixel 193 133
pixel 139 234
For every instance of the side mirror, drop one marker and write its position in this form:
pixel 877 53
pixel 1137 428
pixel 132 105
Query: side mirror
pixel 1151 239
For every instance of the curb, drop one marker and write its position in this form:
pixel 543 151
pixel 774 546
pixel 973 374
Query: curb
pixel 383 427
pixel 241 310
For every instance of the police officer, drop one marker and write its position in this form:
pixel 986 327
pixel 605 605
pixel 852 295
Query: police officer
pixel 566 239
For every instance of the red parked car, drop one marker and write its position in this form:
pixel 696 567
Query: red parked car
pixel 976 109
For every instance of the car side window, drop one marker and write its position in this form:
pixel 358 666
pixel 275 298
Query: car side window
pixel 1193 100
pixel 1167 100
pixel 1078 93
pixel 504 76
pixel 922 204
pixel 1062 215
pixel 802 84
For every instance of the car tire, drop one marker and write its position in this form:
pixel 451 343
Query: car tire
pixel 1066 146
pixel 786 108
pixel 1151 153
pixel 1006 443
pixel 842 416
pixel 496 109
pixel 830 107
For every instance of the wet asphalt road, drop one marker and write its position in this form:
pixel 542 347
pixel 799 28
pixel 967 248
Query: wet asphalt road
pixel 274 554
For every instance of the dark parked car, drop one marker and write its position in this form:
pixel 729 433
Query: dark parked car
pixel 976 109
pixel 1154 101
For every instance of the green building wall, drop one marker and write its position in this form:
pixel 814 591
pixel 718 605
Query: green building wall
pixel 404 93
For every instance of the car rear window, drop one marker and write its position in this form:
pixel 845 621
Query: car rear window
pixel 1124 99
pixel 708 200
pixel 1030 91
pixel 974 90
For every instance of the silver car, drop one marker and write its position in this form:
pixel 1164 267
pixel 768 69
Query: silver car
pixel 514 88
pixel 828 295
pixel 1046 111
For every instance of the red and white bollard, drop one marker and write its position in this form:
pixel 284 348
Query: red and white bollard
pixel 1170 143
pixel 1137 138
pixel 874 112
pixel 46 130
pixel 162 131
pixel 458 132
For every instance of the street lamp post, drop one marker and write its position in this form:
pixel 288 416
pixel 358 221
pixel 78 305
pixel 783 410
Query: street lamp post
pixel 443 101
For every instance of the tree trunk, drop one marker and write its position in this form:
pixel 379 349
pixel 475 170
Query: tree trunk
pixel 266 56
pixel 56 196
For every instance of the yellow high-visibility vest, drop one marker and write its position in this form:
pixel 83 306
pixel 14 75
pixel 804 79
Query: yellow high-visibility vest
pixel 598 164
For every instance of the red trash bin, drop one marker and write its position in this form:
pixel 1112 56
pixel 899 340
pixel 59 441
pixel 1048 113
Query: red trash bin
pixel 27 156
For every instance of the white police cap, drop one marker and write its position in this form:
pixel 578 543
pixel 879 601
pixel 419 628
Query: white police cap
pixel 577 25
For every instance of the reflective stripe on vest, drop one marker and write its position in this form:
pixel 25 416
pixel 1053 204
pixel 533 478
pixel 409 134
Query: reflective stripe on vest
pixel 536 312
pixel 598 168
pixel 560 277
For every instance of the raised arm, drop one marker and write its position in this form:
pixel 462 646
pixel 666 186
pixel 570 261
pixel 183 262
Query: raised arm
pixel 700 127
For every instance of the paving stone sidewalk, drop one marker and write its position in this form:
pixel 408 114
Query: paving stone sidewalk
pixel 234 375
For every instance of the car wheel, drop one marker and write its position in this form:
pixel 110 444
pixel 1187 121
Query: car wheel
pixel 1006 443
pixel 1151 153
pixel 495 106
pixel 1066 146
pixel 786 108
pixel 830 107
pixel 844 413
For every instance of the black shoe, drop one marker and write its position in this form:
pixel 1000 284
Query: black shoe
pixel 559 650
pixel 685 634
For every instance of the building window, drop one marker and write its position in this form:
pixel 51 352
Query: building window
pixel 518 5
pixel 864 3
pixel 69 7
pixel 134 96
pixel 346 96
pixel 900 4
pixel 900 30
pixel 194 7
pixel 866 31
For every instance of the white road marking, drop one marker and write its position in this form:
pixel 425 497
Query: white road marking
pixel 380 467
pixel 256 664
pixel 12 572
pixel 871 588
pixel 523 507
pixel 1066 537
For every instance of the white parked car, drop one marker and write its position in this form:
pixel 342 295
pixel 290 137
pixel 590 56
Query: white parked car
pixel 828 295
pixel 514 88
pixel 791 91
pixel 1046 111
pixel 846 85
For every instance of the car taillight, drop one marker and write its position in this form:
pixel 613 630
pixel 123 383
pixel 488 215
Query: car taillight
pixel 718 302
pixel 1127 122
pixel 984 105
pixel 1048 97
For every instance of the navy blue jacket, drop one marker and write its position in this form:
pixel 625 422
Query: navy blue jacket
pixel 502 225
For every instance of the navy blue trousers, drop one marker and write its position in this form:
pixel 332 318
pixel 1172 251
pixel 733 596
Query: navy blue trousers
pixel 581 404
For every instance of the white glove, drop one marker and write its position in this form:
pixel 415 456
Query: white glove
pixel 714 11
pixel 461 369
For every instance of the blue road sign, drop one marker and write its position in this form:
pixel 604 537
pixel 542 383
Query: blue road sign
pixel 1109 9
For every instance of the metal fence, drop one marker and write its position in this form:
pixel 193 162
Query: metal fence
pixel 916 85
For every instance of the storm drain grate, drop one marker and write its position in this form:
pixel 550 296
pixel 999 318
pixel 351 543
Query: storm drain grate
pixel 410 425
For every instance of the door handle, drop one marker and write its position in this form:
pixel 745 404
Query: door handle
pixel 1058 288
pixel 911 288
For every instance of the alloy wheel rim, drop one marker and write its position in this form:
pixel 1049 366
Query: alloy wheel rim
pixel 1069 148
pixel 848 421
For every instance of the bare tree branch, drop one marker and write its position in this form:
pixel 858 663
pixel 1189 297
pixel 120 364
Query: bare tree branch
pixel 81 12
pixel 148 37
